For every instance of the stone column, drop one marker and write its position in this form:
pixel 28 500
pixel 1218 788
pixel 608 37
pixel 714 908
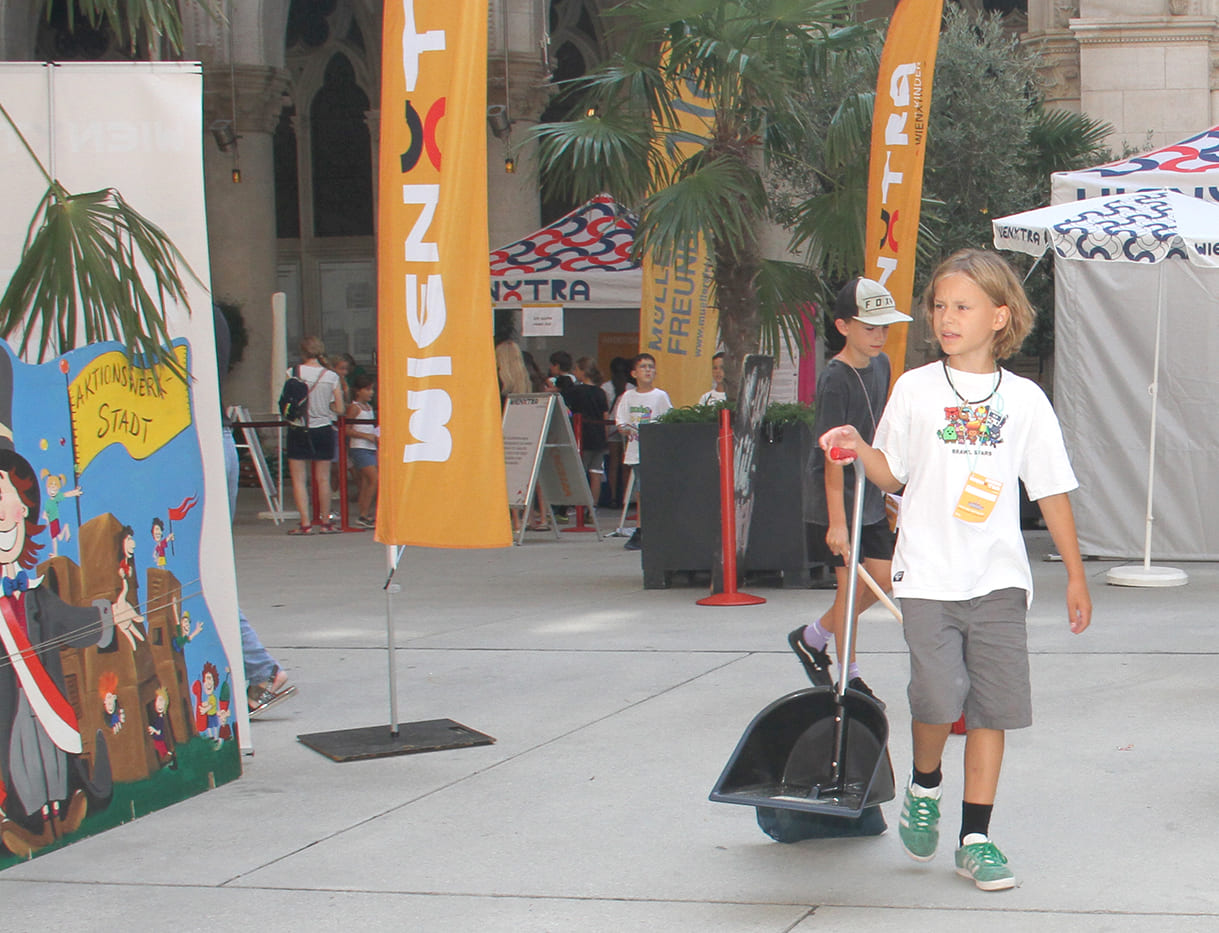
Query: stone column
pixel 1049 36
pixel 517 78
pixel 241 215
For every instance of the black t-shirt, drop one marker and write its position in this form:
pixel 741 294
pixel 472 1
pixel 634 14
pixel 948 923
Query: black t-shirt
pixel 846 395
pixel 590 404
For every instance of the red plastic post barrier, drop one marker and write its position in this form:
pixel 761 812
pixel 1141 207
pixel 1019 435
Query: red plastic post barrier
pixel 577 425
pixel 344 505
pixel 731 596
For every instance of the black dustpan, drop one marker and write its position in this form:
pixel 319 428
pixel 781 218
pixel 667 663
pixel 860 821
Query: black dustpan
pixel 820 750
pixel 788 757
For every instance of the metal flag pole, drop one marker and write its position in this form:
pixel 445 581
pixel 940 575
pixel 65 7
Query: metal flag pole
pixel 400 738
pixel 393 554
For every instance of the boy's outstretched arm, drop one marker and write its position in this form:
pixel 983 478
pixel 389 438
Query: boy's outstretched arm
pixel 874 463
pixel 1060 520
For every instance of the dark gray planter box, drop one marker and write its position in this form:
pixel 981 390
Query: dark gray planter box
pixel 679 477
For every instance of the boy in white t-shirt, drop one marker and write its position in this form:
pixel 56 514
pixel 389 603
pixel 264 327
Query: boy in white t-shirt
pixel 638 406
pixel 717 393
pixel 960 434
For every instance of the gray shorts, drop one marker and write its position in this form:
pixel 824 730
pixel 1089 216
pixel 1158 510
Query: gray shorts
pixel 970 656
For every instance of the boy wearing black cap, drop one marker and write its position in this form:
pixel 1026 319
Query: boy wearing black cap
pixel 851 389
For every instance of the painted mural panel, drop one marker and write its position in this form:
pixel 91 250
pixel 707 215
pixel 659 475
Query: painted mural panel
pixel 115 690
pixel 120 652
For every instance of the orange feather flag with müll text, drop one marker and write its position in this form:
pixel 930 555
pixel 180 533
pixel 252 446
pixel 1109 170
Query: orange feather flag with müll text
pixel 899 144
pixel 441 456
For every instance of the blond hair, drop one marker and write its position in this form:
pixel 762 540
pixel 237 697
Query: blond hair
pixel 513 376
pixel 312 348
pixel 991 273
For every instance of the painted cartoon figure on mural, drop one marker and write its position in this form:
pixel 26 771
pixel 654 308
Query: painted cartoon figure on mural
pixel 212 709
pixel 107 687
pixel 57 526
pixel 184 634
pixel 39 734
pixel 126 604
pixel 160 730
pixel 160 542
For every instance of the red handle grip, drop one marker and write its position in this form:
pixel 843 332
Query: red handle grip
pixel 842 455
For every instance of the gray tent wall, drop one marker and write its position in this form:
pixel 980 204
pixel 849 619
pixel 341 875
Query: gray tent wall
pixel 1105 315
pixel 1104 338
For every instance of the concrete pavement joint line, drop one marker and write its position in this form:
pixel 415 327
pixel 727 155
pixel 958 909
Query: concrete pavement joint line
pixel 490 767
pixel 593 899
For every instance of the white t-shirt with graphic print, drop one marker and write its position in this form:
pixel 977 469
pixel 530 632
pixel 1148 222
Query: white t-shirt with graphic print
pixel 936 440
pixel 635 408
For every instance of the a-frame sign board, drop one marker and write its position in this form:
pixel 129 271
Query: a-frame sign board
pixel 540 451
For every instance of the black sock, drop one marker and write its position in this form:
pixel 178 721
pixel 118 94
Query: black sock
pixel 975 818
pixel 929 779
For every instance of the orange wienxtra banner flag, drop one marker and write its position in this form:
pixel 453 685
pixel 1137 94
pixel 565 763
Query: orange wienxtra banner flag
pixel 899 143
pixel 441 455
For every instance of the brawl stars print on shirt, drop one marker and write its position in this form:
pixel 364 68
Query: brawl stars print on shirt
pixel 975 427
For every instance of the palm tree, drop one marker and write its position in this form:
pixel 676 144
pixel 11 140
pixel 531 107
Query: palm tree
pixel 748 61
pixel 83 252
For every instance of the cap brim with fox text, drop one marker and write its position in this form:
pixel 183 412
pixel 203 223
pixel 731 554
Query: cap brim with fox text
pixel 868 302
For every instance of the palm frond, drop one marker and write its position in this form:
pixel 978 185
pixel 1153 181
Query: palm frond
pixel 788 293
pixel 719 199
pixel 81 278
pixel 604 153
pixel 1062 140
pixel 132 19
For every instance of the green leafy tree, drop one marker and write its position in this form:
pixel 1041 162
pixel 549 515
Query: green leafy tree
pixel 79 277
pixel 992 146
pixel 749 63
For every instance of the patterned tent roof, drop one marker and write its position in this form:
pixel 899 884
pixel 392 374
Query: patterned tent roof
pixel 1190 166
pixel 582 259
pixel 1141 226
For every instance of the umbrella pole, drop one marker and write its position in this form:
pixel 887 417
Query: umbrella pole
pixel 1147 575
pixel 1154 389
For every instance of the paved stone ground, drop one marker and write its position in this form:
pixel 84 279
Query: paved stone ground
pixel 614 709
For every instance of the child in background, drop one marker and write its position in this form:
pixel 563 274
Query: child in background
pixel 638 406
pixel 344 364
pixel 716 394
pixel 851 389
pixel 362 437
pixel 618 382
pixel 960 434
pixel 588 401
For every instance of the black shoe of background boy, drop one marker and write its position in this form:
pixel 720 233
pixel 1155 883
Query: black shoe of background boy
pixel 816 663
pixel 635 542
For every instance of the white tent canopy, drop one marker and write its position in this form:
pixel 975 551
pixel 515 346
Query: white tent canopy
pixel 1105 329
pixel 582 260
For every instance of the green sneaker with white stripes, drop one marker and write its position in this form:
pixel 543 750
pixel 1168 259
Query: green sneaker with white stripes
pixel 919 826
pixel 980 860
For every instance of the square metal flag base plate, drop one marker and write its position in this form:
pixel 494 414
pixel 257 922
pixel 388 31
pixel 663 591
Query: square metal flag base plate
pixel 431 735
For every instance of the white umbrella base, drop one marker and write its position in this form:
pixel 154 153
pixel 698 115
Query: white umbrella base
pixel 1139 575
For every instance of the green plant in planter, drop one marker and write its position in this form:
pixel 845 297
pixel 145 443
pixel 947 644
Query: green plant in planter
pixel 780 413
pixel 777 413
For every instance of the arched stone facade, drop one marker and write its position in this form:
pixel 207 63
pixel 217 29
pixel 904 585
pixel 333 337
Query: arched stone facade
pixel 256 74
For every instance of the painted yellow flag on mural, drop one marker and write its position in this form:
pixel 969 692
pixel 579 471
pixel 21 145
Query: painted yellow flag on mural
pixel 441 454
pixel 677 322
pixel 899 144
pixel 113 401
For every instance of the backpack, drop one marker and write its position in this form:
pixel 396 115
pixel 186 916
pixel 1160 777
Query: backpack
pixel 294 400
